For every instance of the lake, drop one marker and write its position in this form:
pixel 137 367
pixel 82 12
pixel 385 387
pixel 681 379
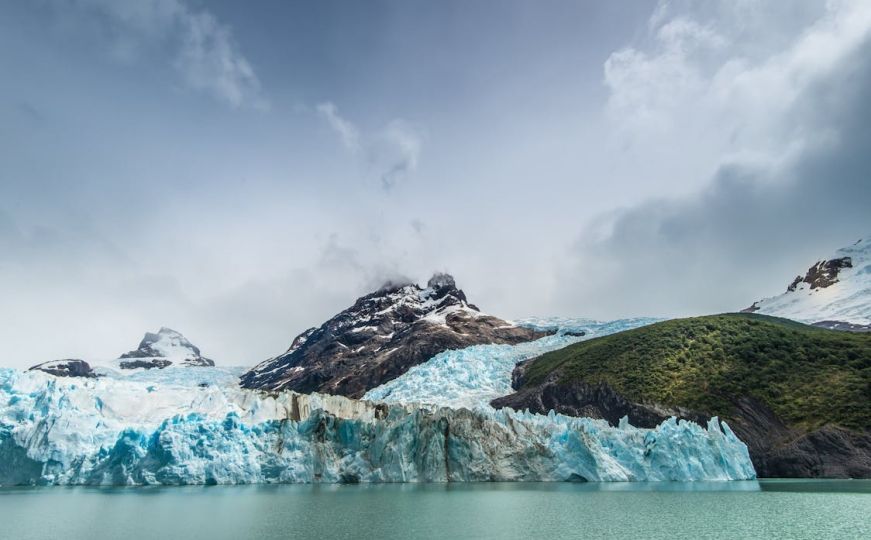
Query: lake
pixel 763 509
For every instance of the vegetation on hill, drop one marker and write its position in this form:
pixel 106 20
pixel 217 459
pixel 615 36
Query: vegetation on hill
pixel 808 376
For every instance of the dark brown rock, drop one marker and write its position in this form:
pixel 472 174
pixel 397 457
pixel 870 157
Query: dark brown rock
pixel 825 273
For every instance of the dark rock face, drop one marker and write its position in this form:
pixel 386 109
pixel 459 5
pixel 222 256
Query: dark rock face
pixel 163 349
pixel 843 326
pixel 380 337
pixel 65 368
pixel 775 449
pixel 587 400
pixel 822 274
pixel 147 363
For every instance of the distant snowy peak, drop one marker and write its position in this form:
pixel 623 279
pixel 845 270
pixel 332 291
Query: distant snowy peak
pixel 832 291
pixel 163 349
pixel 381 336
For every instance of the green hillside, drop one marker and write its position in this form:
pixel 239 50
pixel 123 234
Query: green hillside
pixel 808 376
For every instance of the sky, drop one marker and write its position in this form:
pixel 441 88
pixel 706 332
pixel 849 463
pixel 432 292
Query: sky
pixel 241 171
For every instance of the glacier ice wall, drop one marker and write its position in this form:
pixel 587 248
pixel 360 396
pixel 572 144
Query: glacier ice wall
pixel 186 426
pixel 474 376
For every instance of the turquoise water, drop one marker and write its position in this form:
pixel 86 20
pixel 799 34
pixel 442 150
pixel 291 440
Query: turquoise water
pixel 764 509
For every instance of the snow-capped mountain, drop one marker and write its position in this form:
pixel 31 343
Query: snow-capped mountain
pixel 381 336
pixel 196 426
pixel 835 292
pixel 165 348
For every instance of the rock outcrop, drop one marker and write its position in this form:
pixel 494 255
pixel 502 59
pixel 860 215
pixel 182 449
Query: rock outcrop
pixel 843 326
pixel 380 337
pixel 822 274
pixel 69 367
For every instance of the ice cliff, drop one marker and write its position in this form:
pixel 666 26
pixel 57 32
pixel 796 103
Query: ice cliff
pixel 184 426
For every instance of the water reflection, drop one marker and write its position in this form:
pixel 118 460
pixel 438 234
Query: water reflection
pixel 773 485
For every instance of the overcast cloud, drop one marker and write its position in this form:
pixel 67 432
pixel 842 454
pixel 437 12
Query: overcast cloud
pixel 242 171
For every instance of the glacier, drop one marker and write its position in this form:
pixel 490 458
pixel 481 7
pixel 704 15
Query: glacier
pixel 197 426
pixel 474 376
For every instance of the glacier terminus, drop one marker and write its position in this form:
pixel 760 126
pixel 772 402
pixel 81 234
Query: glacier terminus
pixel 183 425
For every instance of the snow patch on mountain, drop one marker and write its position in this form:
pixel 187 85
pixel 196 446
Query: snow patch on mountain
pixel 474 376
pixel 836 289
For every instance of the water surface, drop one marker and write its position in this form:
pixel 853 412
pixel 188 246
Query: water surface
pixel 763 509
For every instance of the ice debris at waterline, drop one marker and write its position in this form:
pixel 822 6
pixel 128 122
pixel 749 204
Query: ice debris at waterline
pixel 474 376
pixel 179 427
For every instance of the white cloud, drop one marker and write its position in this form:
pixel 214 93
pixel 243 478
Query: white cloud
pixel 712 78
pixel 772 113
pixel 392 152
pixel 396 153
pixel 209 61
pixel 348 132
pixel 207 57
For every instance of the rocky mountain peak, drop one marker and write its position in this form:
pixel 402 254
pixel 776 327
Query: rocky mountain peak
pixel 440 281
pixel 380 337
pixel 163 349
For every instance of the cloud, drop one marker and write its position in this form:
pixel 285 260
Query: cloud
pixel 790 146
pixel 209 61
pixel 206 56
pixel 347 132
pixel 395 153
pixel 724 79
pixel 392 152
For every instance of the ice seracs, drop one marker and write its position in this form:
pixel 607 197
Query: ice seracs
pixel 196 426
pixel 831 293
pixel 165 348
pixel 381 336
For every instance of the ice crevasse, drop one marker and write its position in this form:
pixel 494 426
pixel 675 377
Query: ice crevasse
pixel 196 426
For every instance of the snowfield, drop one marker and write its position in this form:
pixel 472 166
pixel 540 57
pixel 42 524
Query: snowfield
pixel 196 426
pixel 848 300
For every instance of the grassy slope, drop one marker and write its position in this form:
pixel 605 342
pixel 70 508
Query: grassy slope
pixel 808 376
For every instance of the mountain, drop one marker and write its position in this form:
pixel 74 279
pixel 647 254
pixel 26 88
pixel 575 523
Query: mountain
pixel 833 293
pixel 380 337
pixel 65 368
pixel 196 426
pixel 797 395
pixel 165 348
